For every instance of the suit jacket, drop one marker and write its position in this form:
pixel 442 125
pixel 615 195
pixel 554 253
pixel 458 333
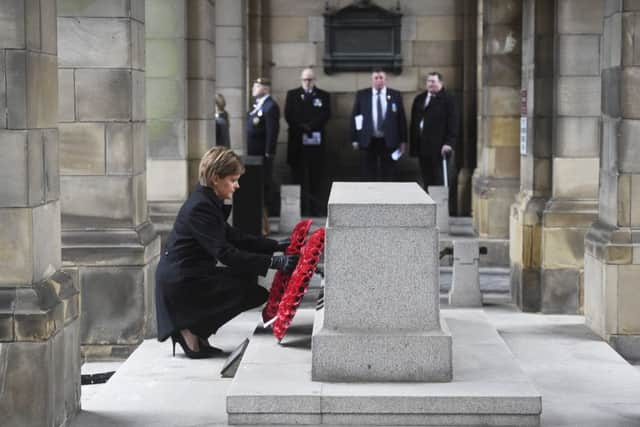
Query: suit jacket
pixel 189 287
pixel 305 113
pixel 440 124
pixel 262 129
pixel 395 121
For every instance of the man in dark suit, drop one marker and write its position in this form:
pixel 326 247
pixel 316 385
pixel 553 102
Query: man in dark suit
pixel 378 127
pixel 263 125
pixel 307 110
pixel 434 129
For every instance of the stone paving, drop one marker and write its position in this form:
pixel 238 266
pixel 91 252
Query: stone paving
pixel 583 382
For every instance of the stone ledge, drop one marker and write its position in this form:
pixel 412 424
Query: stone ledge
pixel 273 384
pixel 38 312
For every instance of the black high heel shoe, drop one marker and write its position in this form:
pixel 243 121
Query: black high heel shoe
pixel 191 354
pixel 208 348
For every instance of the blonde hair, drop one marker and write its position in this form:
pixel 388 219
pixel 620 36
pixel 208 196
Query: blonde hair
pixel 219 161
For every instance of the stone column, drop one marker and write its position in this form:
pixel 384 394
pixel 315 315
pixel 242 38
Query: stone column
pixel 381 318
pixel 166 110
pixel 39 304
pixel 467 150
pixel 107 239
pixel 495 180
pixel 525 235
pixel 180 78
pixel 612 245
pixel 576 145
pixel 201 85
pixel 231 65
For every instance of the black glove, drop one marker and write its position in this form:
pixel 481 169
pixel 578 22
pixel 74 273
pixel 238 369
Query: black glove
pixel 283 244
pixel 286 263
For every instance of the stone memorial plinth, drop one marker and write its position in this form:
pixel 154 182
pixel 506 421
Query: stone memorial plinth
pixel 465 285
pixel 381 317
pixel 289 207
pixel 440 196
pixel 381 354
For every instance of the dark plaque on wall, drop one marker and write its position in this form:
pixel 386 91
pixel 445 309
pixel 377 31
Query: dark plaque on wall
pixel 362 37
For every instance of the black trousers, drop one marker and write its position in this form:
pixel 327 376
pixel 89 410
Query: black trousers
pixel 377 153
pixel 431 171
pixel 309 171
pixel 267 174
pixel 243 294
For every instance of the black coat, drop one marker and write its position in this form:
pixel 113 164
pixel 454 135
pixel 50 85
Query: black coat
pixel 262 129
pixel 440 125
pixel 394 125
pixel 305 113
pixel 190 289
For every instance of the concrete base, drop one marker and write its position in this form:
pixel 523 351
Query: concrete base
pixel 273 385
pixel 387 362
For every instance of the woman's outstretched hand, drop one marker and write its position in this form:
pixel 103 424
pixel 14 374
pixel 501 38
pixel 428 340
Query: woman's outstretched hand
pixel 286 263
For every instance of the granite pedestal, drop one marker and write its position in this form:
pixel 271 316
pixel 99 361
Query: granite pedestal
pixel 381 288
pixel 380 352
pixel 465 286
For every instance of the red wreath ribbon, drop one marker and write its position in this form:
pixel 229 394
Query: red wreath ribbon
pixel 281 279
pixel 299 283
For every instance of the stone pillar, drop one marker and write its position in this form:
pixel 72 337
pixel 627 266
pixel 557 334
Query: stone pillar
pixel 231 65
pixel 467 150
pixel 166 108
pixel 576 146
pixel 525 235
pixel 612 245
pixel 496 178
pixel 381 318
pixel 180 78
pixel 201 84
pixel 107 239
pixel 465 282
pixel 39 304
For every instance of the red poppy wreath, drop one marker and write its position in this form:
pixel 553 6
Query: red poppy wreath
pixel 281 279
pixel 299 282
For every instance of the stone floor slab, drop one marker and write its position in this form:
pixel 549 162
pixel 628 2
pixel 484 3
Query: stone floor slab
pixel 487 387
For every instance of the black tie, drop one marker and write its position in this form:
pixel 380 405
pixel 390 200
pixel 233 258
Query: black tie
pixel 379 112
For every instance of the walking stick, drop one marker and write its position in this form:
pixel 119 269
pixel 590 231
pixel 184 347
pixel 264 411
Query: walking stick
pixel 444 170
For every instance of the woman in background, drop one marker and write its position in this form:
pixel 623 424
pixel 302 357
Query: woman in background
pixel 222 122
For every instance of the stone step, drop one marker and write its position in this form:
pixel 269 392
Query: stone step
pixel 273 384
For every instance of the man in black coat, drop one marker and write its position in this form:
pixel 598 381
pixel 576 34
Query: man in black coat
pixel 307 110
pixel 263 125
pixel 378 127
pixel 434 129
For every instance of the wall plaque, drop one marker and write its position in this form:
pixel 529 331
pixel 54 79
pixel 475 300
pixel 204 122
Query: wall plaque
pixel 362 37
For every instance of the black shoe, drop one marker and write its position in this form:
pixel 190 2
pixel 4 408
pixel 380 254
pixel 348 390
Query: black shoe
pixel 206 347
pixel 191 354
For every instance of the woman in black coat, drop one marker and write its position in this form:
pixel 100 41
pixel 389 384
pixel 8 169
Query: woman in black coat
pixel 195 296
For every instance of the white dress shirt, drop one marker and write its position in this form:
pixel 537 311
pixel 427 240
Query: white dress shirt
pixel 374 100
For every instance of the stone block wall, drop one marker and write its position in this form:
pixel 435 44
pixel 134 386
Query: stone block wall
pixel 612 245
pixel 39 304
pixel 525 227
pixel 108 244
pixel 575 154
pixel 288 35
pixel 166 102
pixel 496 179
pixel 180 78
pixel 231 65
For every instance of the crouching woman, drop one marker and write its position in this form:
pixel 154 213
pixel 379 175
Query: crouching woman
pixel 195 296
